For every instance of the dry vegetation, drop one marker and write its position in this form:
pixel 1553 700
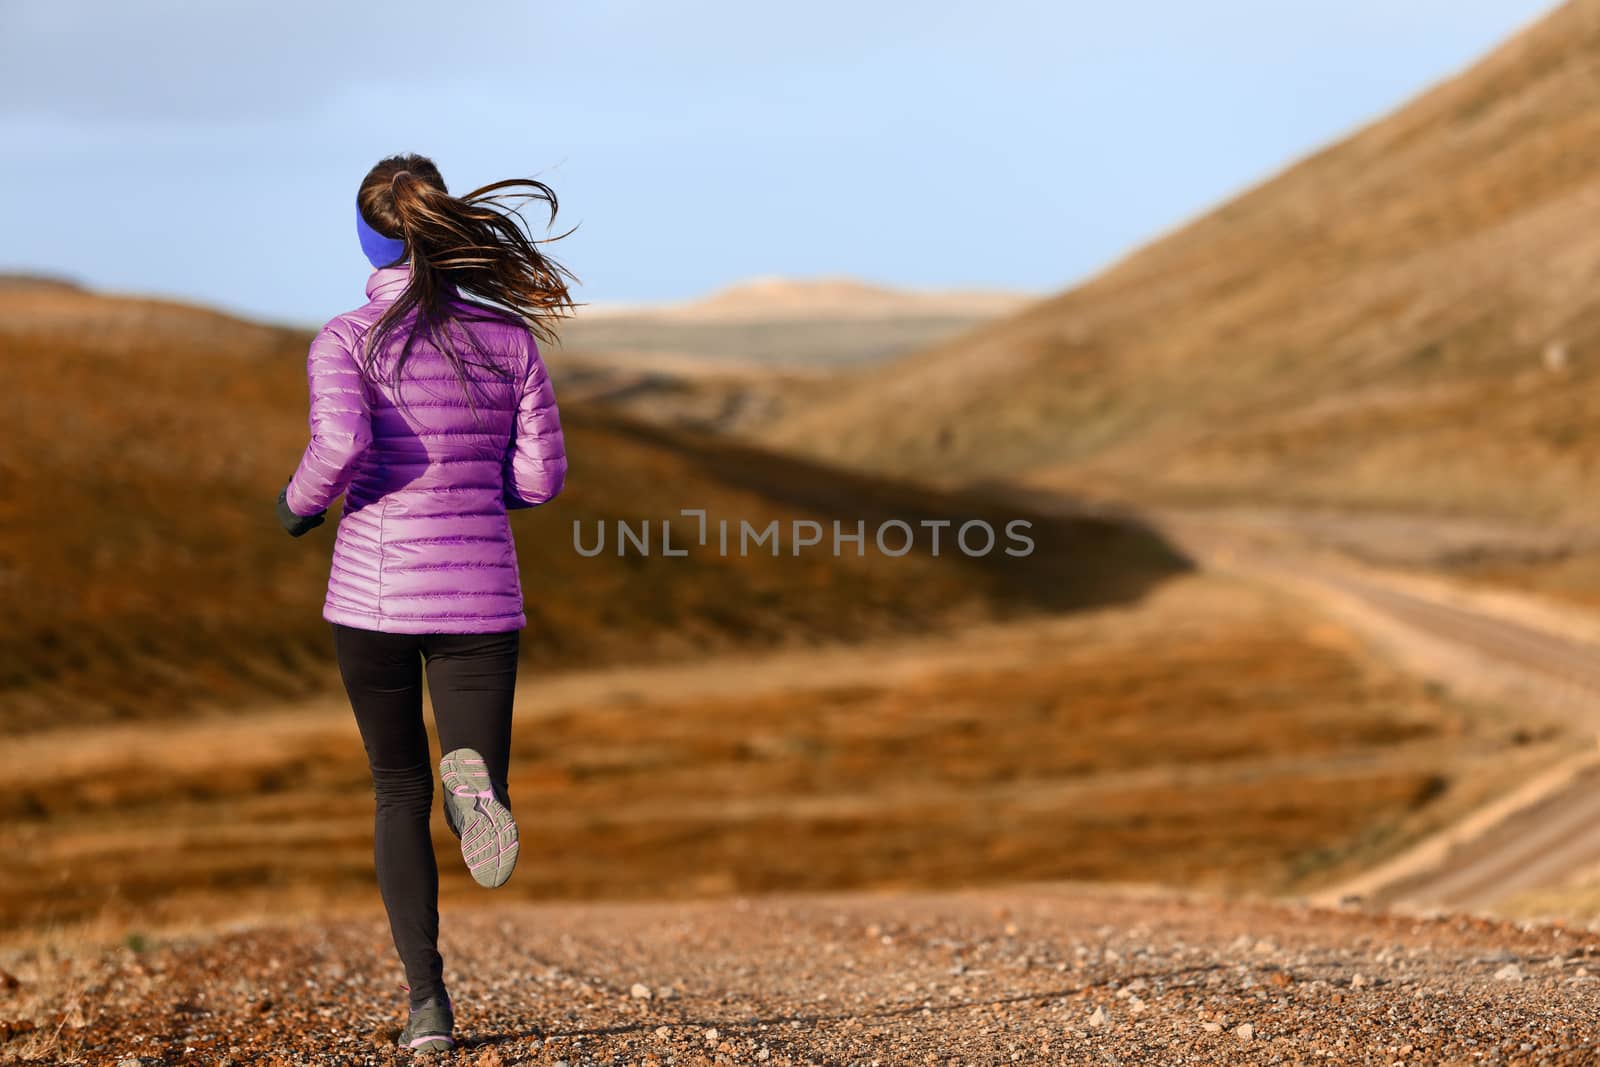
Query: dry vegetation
pixel 1570 574
pixel 1213 736
pixel 146 442
pixel 1406 319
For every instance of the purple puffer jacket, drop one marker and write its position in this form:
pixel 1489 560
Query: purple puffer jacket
pixel 424 544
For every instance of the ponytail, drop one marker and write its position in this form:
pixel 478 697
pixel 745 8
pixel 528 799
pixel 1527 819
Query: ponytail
pixel 475 243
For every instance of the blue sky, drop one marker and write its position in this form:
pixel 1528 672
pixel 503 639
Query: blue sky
pixel 211 151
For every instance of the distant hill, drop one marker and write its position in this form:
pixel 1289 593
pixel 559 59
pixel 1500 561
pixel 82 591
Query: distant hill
pixel 828 297
pixel 1408 318
pixel 736 359
pixel 146 575
pixel 28 280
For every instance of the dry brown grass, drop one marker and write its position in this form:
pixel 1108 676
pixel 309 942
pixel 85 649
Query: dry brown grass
pixel 1214 736
pixel 1572 576
pixel 1367 328
pixel 148 578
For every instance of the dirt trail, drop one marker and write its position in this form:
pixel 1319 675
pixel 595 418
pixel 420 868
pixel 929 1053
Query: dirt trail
pixel 1028 974
pixel 1540 660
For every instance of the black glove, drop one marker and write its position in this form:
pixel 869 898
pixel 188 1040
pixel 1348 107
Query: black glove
pixel 297 524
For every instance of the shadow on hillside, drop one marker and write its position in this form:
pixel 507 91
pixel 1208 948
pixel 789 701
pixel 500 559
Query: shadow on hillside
pixel 1079 559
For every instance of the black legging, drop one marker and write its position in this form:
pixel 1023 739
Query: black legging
pixel 471 678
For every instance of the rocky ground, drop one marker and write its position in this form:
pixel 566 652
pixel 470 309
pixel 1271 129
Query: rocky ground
pixel 1039 974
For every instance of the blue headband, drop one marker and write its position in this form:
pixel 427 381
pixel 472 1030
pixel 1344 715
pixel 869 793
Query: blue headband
pixel 381 251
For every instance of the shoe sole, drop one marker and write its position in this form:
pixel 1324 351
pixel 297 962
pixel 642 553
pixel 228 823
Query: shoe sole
pixel 488 832
pixel 431 1044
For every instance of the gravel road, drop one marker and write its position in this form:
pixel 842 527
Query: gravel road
pixel 1033 974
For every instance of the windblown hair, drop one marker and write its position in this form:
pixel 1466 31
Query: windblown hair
pixel 478 244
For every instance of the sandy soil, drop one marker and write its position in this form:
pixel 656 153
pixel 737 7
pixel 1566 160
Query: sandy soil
pixel 1032 974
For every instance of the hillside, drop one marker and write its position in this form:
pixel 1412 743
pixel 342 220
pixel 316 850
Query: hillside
pixel 1406 318
pixel 146 441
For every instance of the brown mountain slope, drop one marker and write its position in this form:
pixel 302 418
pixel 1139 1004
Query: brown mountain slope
pixel 1408 316
pixel 144 573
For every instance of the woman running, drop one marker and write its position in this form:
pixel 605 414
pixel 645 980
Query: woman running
pixel 431 410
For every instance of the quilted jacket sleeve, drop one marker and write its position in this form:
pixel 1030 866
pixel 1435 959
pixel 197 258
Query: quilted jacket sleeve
pixel 536 460
pixel 341 425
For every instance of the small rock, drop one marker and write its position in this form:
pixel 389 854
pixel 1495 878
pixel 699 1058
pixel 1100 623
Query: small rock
pixel 1211 1028
pixel 712 1035
pixel 9 1030
pixel 1358 981
pixel 663 1032
pixel 1245 1032
pixel 639 991
pixel 1098 1017
pixel 1509 973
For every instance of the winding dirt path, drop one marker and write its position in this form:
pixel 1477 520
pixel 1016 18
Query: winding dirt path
pixel 1541 661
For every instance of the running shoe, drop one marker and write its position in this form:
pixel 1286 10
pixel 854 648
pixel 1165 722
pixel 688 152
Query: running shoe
pixel 431 1027
pixel 488 832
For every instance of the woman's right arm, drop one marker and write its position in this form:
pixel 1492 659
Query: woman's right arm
pixel 536 462
pixel 341 431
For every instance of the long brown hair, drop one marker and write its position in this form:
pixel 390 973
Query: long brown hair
pixel 476 244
